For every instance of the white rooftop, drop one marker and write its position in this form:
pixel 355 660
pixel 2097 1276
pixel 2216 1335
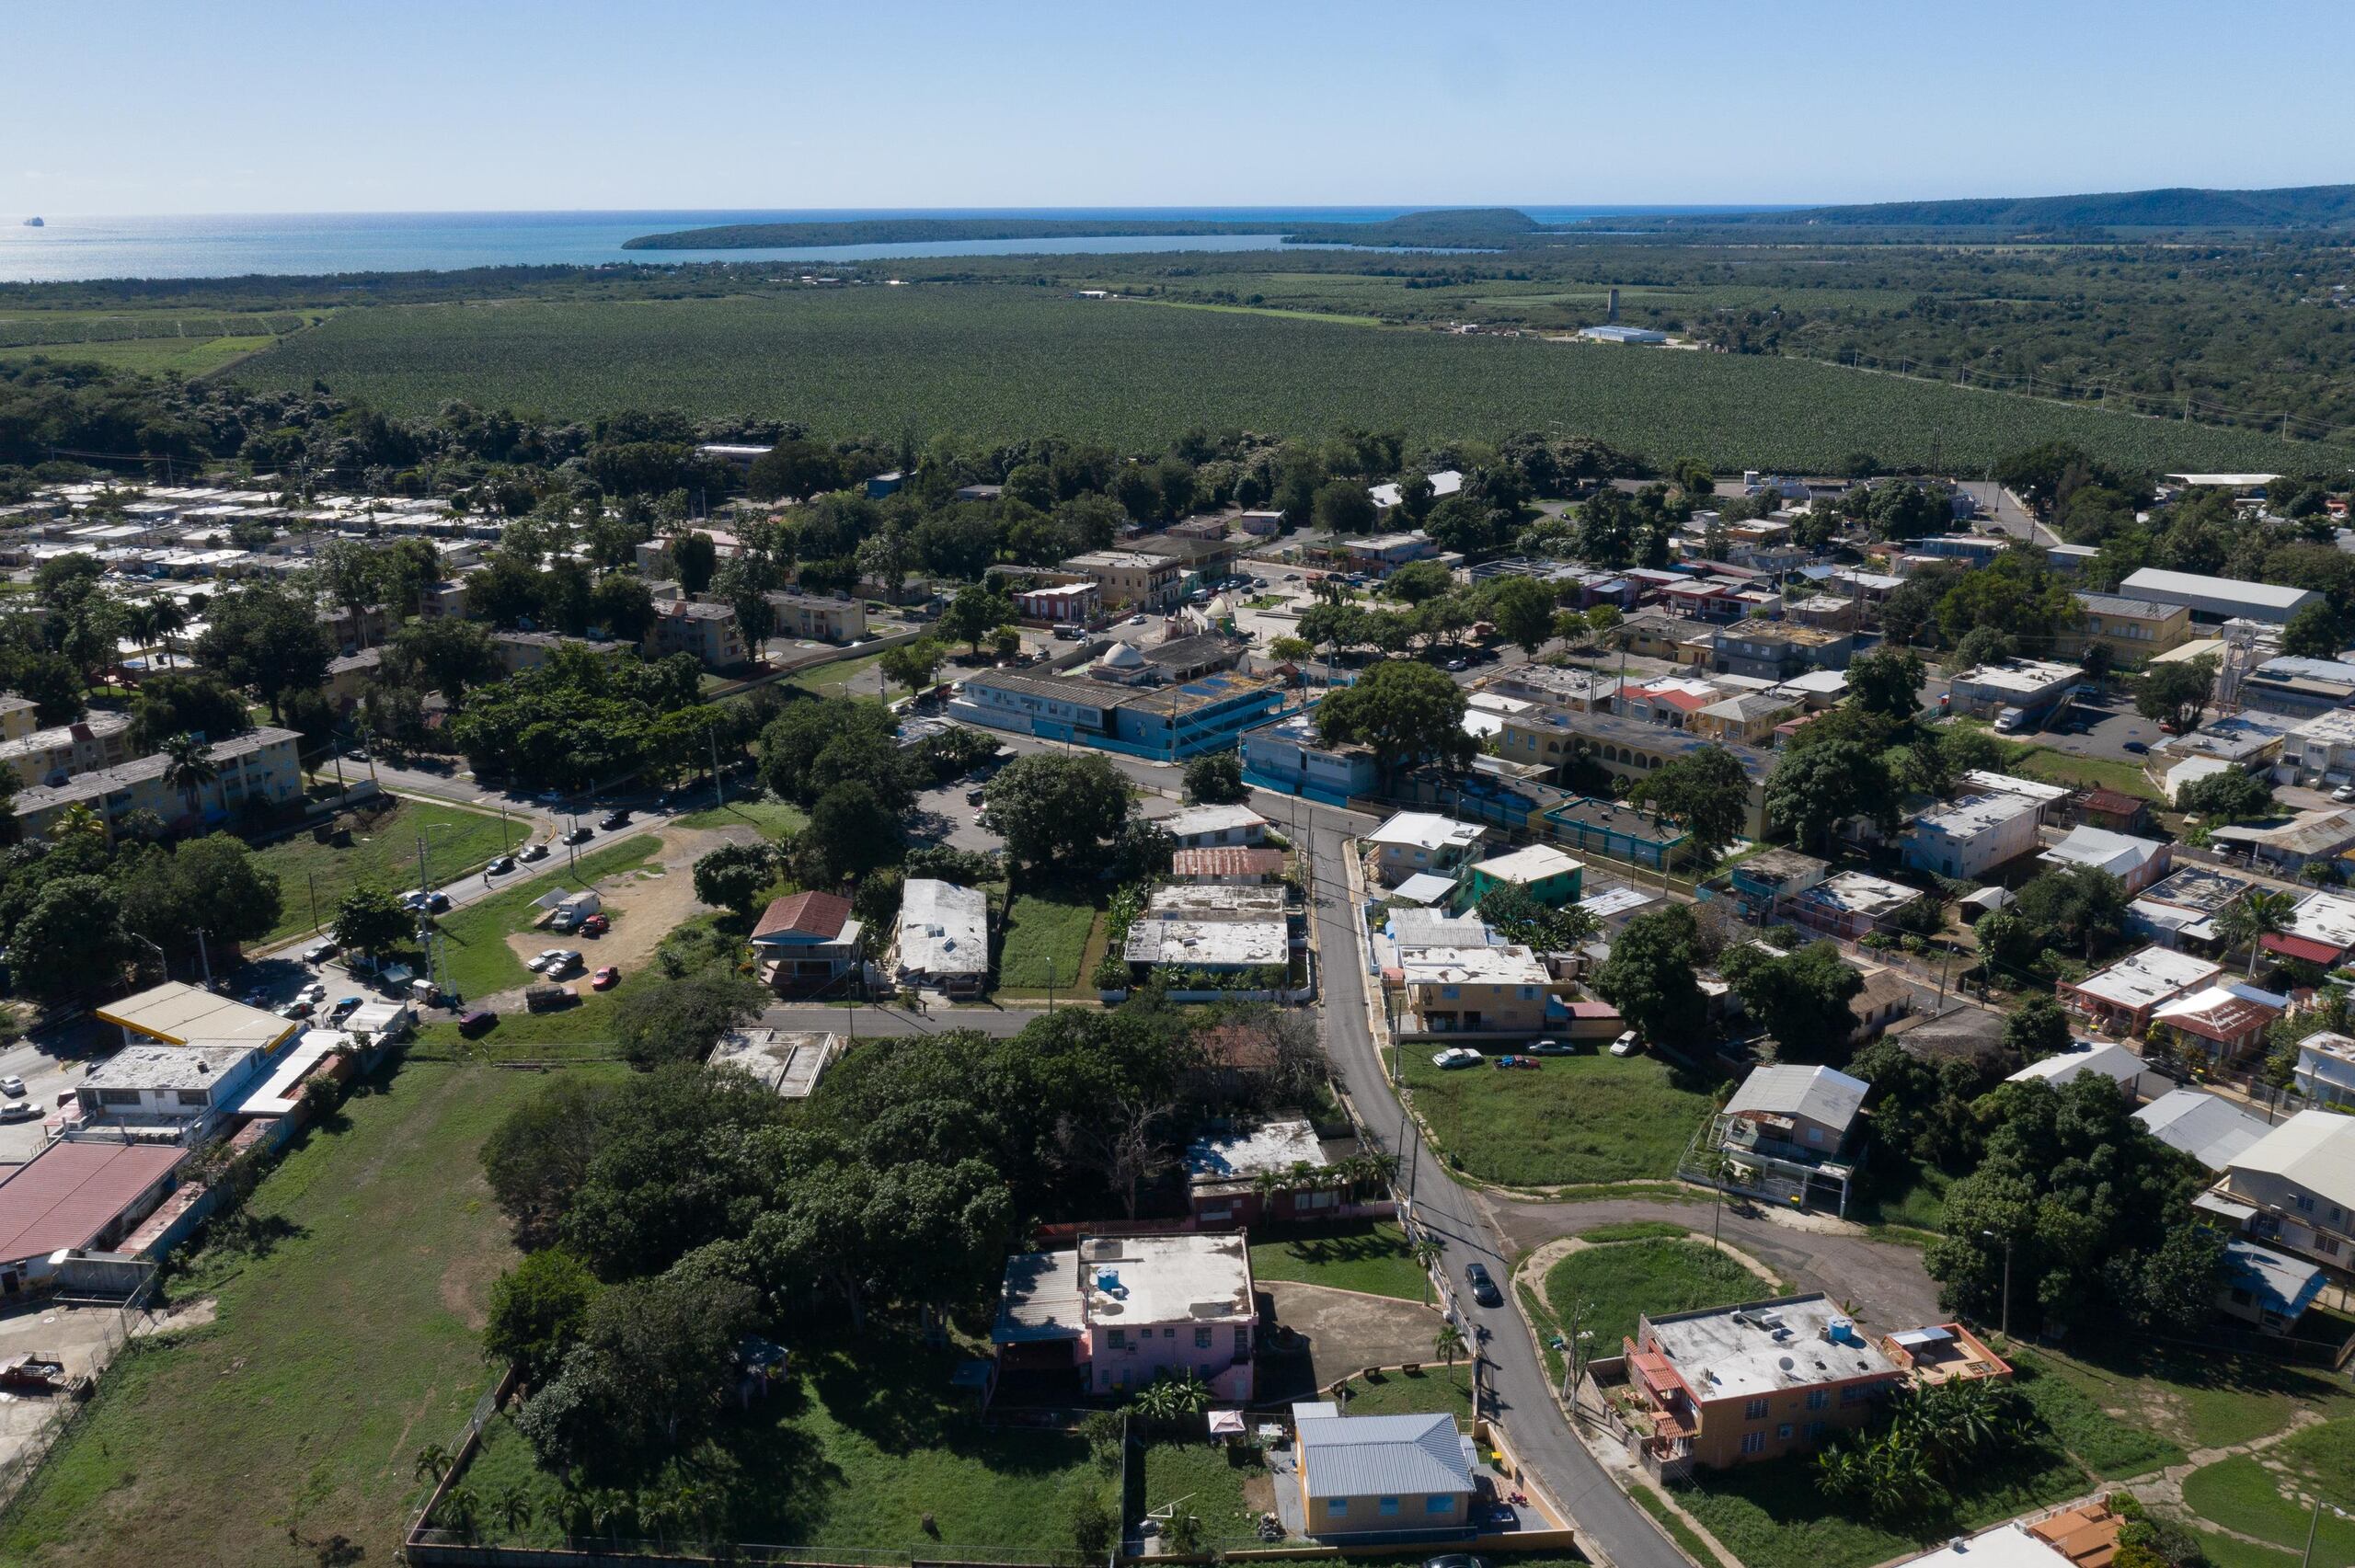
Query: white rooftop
pixel 2029 677
pixel 2146 978
pixel 2008 1545
pixel 167 1067
pixel 1532 863
pixel 1181 942
pixel 1857 892
pixel 2336 727
pixel 944 929
pixel 2313 1149
pixel 1819 1093
pixel 1969 815
pixel 1239 1156
pixel 2328 918
pixel 1761 1347
pixel 2120 855
pixel 1427 830
pixel 2010 784
pixel 1167 1279
pixel 1472 965
pixel 1210 819
pixel 787 1061
pixel 2111 1061
pixel 2151 580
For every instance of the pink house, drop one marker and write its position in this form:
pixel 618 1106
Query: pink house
pixel 1123 1310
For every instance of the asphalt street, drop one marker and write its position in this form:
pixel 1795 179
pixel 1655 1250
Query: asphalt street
pixel 1520 1394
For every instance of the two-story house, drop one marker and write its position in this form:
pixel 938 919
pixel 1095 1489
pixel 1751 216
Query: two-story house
pixel 186 1088
pixel 2132 630
pixel 1414 841
pixel 1119 1311
pixel 2294 1188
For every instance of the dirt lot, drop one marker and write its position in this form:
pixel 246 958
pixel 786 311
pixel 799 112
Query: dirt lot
pixel 85 1338
pixel 644 903
pixel 1345 1332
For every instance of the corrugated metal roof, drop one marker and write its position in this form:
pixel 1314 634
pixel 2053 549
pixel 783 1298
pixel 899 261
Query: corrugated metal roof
pixel 1383 1456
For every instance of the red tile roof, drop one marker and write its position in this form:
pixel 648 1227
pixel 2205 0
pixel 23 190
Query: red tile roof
pixel 2304 947
pixel 819 915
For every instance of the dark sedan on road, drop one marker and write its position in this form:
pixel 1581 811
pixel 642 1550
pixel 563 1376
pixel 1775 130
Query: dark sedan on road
pixel 1484 1289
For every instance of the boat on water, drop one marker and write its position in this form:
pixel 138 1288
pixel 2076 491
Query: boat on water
pixel 35 223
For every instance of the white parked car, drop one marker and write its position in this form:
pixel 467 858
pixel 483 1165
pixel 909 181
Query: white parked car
pixel 314 993
pixel 1626 1044
pixel 2343 794
pixel 1457 1056
pixel 546 960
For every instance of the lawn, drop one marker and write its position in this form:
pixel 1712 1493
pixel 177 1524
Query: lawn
pixel 1434 1389
pixel 1369 1256
pixel 1227 1489
pixel 1043 929
pixel 1597 1119
pixel 2240 1493
pixel 458 843
pixel 861 1445
pixel 1626 1278
pixel 474 938
pixel 773 818
pixel 1904 1193
pixel 1771 1515
pixel 2067 768
pixel 336 1354
pixel 191 357
pixel 2197 1399
pixel 1635 1230
pixel 2113 1449
pixel 834 678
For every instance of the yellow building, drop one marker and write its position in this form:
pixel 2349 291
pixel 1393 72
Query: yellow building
pixel 260 765
pixel 16 719
pixel 1473 990
pixel 2134 629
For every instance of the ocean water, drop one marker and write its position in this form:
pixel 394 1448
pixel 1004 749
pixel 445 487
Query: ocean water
pixel 72 248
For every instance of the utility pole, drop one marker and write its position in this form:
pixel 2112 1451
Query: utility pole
pixel 204 957
pixel 315 901
pixel 2007 1281
pixel 719 795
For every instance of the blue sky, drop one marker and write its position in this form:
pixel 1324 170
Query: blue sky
pixel 334 107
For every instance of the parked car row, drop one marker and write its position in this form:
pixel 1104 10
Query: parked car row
pixel 1626 1044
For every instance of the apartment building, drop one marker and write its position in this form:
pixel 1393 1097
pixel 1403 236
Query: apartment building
pixel 708 632
pixel 819 617
pixel 2132 630
pixel 1130 577
pixel 1473 990
pixel 260 766
pixel 98 739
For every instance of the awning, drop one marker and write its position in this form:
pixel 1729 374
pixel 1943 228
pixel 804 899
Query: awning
pixel 1226 1423
pixel 2226 1207
pixel 2304 947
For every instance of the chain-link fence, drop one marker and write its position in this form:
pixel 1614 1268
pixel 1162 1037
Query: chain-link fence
pixel 118 1323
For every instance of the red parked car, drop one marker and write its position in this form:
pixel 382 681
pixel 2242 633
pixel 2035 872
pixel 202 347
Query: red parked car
pixel 596 925
pixel 604 978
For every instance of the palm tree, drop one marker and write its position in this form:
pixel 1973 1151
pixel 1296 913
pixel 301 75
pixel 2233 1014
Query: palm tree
pixel 2259 915
pixel 1426 1249
pixel 434 1460
pixel 513 1506
pixel 139 624
pixel 1173 1398
pixel 189 767
pixel 166 618
pixel 80 820
pixel 1448 1343
pixel 461 1508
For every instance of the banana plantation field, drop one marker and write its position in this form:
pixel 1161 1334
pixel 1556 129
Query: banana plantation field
pixel 1000 363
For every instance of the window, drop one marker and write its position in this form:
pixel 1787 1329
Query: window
pixel 1816 1429
pixel 1242 1340
pixel 1438 1504
pixel 1783 1432
pixel 2327 1245
pixel 1170 1333
pixel 2305 1204
pixel 1754 1411
pixel 1202 1337
pixel 1120 1339
pixel 194 1097
pixel 1753 1442
pixel 117 1096
pixel 1389 1506
pixel 1335 1506
pixel 1819 1399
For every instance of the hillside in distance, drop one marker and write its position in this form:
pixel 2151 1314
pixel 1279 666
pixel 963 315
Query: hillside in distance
pixel 2182 207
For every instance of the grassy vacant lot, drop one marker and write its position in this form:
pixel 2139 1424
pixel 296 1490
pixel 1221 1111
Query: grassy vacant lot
pixel 2197 1399
pixel 1626 1278
pixel 1372 1257
pixel 584 1030
pixel 1597 1118
pixel 834 678
pixel 1906 1194
pixel 773 818
pixel 458 843
pixel 863 1441
pixel 1227 1489
pixel 2240 1493
pixel 338 1352
pixel 2111 1448
pixel 1433 1390
pixel 480 961
pixel 1044 927
pixel 1771 1515
pixel 1001 362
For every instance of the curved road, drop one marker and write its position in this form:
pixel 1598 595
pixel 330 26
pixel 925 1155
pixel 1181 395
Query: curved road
pixel 1520 1396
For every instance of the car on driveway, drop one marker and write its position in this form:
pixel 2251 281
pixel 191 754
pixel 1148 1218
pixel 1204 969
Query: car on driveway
pixel 540 962
pixel 604 978
pixel 567 960
pixel 1484 1289
pixel 320 952
pixel 2136 747
pixel 1457 1056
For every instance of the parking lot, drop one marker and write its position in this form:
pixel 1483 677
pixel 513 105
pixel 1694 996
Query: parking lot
pixel 47 1075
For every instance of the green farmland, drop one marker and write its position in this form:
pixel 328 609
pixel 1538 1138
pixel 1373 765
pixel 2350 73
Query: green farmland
pixel 1002 362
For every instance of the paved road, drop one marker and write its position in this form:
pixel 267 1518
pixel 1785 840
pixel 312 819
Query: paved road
pixel 1604 1516
pixel 2007 514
